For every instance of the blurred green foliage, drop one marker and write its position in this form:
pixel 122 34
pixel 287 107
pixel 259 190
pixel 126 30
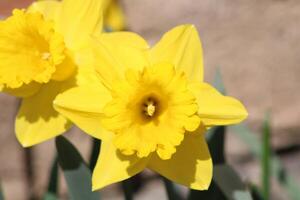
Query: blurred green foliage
pixel 76 172
pixel 266 156
pixel 1 193
pixel 52 192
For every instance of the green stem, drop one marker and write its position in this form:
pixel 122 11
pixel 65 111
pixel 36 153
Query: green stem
pixel 127 189
pixel 266 159
pixel 171 191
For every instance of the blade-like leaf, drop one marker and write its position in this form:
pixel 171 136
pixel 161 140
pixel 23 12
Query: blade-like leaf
pixel 230 183
pixel 172 193
pixel 216 140
pixel 266 154
pixel 52 192
pixel 132 185
pixel 1 193
pixel 226 185
pixel 213 193
pixel 255 192
pixel 127 189
pixel 218 81
pixel 76 172
pixel 277 169
pixel 94 153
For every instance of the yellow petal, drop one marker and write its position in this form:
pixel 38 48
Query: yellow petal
pixel 182 47
pixel 191 165
pixel 114 17
pixel 49 8
pixel 117 52
pixel 25 90
pixel 65 69
pixel 83 105
pixel 113 166
pixel 216 109
pixel 37 120
pixel 79 19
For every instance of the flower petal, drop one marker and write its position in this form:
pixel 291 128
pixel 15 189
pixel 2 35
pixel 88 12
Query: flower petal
pixel 87 109
pixel 117 52
pixel 37 121
pixel 191 165
pixel 79 19
pixel 182 47
pixel 112 166
pixel 49 8
pixel 216 109
pixel 114 18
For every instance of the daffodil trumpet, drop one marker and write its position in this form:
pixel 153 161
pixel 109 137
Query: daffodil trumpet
pixel 43 50
pixel 150 107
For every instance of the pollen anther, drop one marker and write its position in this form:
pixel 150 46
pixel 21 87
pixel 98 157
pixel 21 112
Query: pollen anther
pixel 150 107
pixel 46 56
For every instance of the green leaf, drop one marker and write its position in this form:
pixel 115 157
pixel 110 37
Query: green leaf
pixel 50 196
pixel 127 187
pixel 250 139
pixel 277 169
pixel 216 143
pixel 226 185
pixel 255 192
pixel 213 193
pixel 52 192
pixel 95 153
pixel 230 183
pixel 76 172
pixel 172 193
pixel 218 81
pixel 265 162
pixel 216 135
pixel 1 194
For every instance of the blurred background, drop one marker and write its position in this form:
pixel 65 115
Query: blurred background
pixel 256 46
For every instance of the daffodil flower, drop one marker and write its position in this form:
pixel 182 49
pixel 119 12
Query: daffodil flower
pixel 150 108
pixel 42 51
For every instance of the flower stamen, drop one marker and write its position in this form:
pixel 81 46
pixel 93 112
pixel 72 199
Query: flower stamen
pixel 46 56
pixel 150 107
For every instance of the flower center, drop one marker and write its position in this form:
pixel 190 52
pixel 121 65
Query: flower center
pixel 46 56
pixel 150 107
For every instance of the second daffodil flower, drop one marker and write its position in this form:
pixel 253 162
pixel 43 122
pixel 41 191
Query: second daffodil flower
pixel 150 108
pixel 42 51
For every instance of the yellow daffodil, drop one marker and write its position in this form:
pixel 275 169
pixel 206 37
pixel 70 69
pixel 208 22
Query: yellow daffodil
pixel 41 51
pixel 113 15
pixel 150 108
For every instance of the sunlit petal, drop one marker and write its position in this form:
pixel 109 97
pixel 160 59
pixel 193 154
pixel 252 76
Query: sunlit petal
pixel 191 165
pixel 182 47
pixel 49 8
pixel 112 166
pixel 37 121
pixel 83 105
pixel 79 19
pixel 216 109
pixel 117 52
